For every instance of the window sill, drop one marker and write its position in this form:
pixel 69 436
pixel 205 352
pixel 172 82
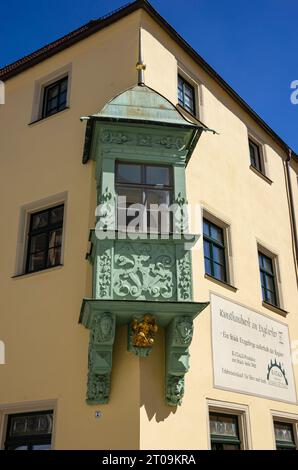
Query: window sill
pixel 275 309
pixel 221 283
pixel 34 273
pixel 259 173
pixel 48 117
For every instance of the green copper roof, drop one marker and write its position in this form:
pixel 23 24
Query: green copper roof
pixel 144 104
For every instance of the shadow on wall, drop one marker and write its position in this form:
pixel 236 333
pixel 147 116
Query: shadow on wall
pixel 152 381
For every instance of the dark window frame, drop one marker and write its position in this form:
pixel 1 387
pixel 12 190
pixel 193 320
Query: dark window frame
pixel 256 155
pixel 266 274
pixel 28 440
pixel 285 445
pixel 218 441
pixel 45 102
pixel 47 230
pixel 143 186
pixel 193 97
pixel 222 246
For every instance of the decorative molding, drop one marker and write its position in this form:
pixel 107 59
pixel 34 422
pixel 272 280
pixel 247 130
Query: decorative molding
pixel 104 274
pixel 144 271
pixel 184 274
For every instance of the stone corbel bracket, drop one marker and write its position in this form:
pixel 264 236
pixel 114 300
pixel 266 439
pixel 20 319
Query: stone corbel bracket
pixel 178 338
pixel 102 316
pixel 101 340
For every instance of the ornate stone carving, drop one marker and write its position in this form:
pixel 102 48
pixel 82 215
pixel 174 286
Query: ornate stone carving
pixel 108 137
pixel 180 214
pixel 98 388
pixel 174 390
pixel 184 276
pixel 144 271
pixel 104 267
pixel 145 140
pixel 183 331
pixel 172 142
pixel 103 328
pixel 105 213
pixel 141 332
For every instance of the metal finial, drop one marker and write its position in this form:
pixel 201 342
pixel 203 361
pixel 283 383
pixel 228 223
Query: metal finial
pixel 140 64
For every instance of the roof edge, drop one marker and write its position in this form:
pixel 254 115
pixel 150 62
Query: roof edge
pixel 93 26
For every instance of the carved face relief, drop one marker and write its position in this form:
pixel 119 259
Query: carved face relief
pixel 175 390
pixel 184 329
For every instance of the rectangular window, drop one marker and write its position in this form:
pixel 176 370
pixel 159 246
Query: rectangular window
pixel 284 436
pixel 224 431
pixel 268 281
pixel 149 186
pixel 256 156
pixel 54 97
pixel 29 431
pixel 45 239
pixel 186 95
pixel 214 251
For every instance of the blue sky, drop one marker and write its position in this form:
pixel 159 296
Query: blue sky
pixel 251 44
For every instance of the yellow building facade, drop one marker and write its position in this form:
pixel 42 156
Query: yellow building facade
pixel 241 188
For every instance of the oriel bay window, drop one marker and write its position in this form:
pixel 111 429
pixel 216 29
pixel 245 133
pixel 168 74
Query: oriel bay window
pixel 45 239
pixel 144 194
pixel 29 431
pixel 214 251
pixel 224 432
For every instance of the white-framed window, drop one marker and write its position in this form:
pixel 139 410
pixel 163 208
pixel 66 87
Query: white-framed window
pixel 258 156
pixel 228 426
pixel 41 235
pixel 217 247
pixel 270 278
pixel 285 430
pixel 28 426
pixel 51 94
pixel 188 92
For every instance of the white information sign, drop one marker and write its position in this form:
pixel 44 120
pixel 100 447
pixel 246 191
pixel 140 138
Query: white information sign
pixel 251 352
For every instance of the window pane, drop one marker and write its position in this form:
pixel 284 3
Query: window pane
pixel 206 227
pixel 207 249
pixel 224 425
pixel 157 175
pixel 218 255
pixel 52 92
pixel 39 242
pixel 284 432
pixel 37 261
pixel 127 173
pixel 208 266
pixel 54 256
pixel 55 238
pixel 31 424
pixel 219 272
pixel 56 215
pixel 156 197
pixel 216 233
pixel 267 263
pixel 39 220
pixel 63 85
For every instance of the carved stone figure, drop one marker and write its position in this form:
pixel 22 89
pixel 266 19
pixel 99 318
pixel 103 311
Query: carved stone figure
pixel 98 388
pixel 103 328
pixel 144 331
pixel 184 330
pixel 175 390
